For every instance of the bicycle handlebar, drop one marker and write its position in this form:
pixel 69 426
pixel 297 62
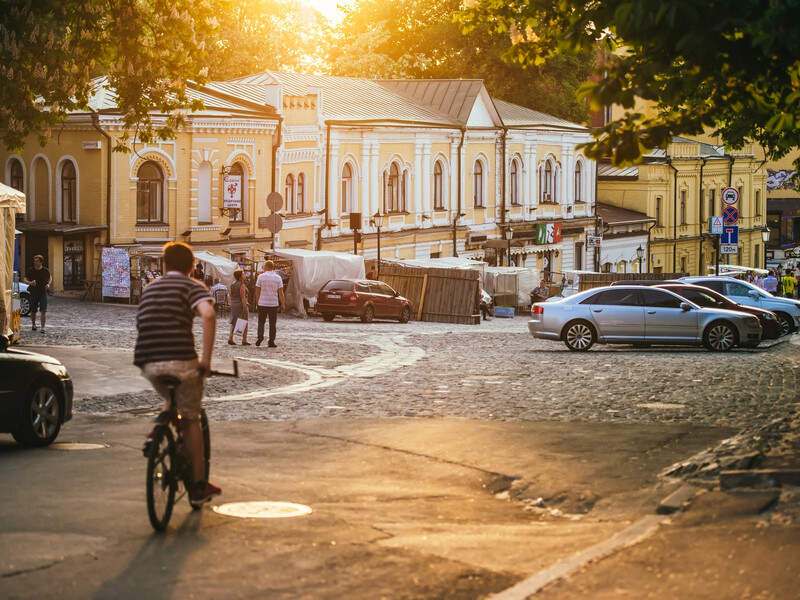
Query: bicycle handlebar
pixel 235 372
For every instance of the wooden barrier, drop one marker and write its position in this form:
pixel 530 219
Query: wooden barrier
pixel 592 280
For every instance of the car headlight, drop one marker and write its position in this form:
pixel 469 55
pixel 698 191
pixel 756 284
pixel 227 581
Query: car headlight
pixel 769 316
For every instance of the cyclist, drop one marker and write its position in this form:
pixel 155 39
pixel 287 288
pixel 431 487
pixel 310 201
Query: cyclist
pixel 165 346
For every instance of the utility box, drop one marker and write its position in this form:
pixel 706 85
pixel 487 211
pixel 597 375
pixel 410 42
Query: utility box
pixel 504 311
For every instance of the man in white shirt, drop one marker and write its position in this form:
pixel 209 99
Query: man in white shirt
pixel 269 299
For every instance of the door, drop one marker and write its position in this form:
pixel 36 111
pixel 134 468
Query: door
pixel 381 296
pixel 618 315
pixel 665 320
pixel 740 293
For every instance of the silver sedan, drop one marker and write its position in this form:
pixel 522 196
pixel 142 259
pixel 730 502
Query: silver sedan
pixel 640 316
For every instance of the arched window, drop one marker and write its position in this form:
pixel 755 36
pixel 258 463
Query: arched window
pixel 240 215
pixel 288 194
pixel 347 189
pixel 204 193
pixel 477 185
pixel 394 190
pixel 514 183
pixel 150 193
pixel 69 193
pixel 301 193
pixel 579 197
pixel 438 189
pixel 17 178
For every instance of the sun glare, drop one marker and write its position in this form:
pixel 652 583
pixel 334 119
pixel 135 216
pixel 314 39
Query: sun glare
pixel 329 8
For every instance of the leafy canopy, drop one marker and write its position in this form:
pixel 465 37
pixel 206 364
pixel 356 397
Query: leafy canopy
pixel 732 66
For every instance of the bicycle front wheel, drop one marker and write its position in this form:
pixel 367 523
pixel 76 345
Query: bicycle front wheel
pixel 161 480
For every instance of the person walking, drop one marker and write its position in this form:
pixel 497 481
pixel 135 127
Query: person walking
pixel 771 283
pixel 38 279
pixel 788 282
pixel 238 305
pixel 269 299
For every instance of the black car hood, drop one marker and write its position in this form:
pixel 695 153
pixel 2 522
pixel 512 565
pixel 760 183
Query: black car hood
pixel 31 356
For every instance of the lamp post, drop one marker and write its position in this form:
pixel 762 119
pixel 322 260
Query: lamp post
pixel 640 256
pixel 765 231
pixel 376 221
pixel 455 232
pixel 509 235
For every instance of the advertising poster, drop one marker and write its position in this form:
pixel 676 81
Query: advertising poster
pixel 232 191
pixel 116 273
pixel 548 233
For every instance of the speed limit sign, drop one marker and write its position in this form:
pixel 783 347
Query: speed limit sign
pixel 730 196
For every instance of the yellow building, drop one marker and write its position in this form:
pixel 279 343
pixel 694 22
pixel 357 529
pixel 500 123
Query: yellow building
pixel 682 188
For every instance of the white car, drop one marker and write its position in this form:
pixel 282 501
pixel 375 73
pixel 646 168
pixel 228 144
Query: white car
pixel 786 309
pixel 24 300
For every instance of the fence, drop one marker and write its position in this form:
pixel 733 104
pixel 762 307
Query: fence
pixel 439 295
pixel 592 280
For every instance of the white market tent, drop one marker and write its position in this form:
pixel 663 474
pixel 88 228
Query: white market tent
pixel 11 203
pixel 510 282
pixel 218 267
pixel 313 269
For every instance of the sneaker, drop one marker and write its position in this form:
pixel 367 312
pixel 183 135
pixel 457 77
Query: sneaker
pixel 203 492
pixel 41 330
pixel 33 328
pixel 272 345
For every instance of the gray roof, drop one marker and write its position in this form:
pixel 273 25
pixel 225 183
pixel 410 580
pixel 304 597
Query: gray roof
pixel 614 215
pixel 452 97
pixel 608 171
pixel 514 115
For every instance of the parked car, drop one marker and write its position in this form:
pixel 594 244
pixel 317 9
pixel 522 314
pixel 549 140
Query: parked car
pixel 35 395
pixel 24 300
pixel 641 316
pixel 708 298
pixel 786 309
pixel 363 298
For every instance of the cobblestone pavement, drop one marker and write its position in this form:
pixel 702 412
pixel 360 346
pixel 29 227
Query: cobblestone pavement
pixel 492 371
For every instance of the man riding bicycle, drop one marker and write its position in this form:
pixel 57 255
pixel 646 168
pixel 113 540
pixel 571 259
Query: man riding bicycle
pixel 165 346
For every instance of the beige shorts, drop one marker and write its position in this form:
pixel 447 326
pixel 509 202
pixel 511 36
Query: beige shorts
pixel 189 395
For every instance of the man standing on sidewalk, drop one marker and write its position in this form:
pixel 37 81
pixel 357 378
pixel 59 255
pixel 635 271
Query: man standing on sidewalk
pixel 38 279
pixel 269 299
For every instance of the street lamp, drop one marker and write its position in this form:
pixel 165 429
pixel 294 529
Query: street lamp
pixel 765 231
pixel 455 232
pixel 376 221
pixel 640 256
pixel 509 235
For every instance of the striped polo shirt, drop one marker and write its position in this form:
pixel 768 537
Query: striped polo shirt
pixel 269 282
pixel 164 320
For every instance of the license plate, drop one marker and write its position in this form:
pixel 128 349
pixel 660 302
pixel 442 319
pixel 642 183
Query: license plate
pixel 334 296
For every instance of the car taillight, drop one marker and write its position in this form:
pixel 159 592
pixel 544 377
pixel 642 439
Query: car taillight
pixel 537 310
pixel 352 297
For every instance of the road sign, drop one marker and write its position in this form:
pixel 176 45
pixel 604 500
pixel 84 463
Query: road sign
pixel 730 214
pixel 274 201
pixel 730 196
pixel 716 225
pixel 274 223
pixel 730 235
pixel 595 241
pixel 729 249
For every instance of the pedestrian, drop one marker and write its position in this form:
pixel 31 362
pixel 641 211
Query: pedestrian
pixel 485 304
pixel 269 299
pixel 216 286
pixel 38 279
pixel 238 305
pixel 771 283
pixel 789 283
pixel 165 346
pixel 198 273
pixel 541 293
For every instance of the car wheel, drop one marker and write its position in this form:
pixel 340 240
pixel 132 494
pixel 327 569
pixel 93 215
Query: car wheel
pixel 787 326
pixel 405 315
pixel 579 336
pixel 42 418
pixel 328 317
pixel 719 337
pixel 24 305
pixel 369 312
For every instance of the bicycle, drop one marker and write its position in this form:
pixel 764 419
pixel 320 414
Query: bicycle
pixel 169 472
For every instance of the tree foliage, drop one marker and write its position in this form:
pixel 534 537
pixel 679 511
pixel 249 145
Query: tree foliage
pixel 730 66
pixel 419 39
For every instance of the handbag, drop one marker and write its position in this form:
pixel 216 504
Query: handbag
pixel 239 328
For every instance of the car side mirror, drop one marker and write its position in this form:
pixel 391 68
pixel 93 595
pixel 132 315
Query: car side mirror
pixel 685 306
pixel 753 294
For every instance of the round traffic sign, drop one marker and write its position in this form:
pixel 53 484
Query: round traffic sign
pixel 730 196
pixel 730 214
pixel 274 201
pixel 274 223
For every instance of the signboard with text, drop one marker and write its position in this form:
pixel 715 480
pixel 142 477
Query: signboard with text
pixel 729 249
pixel 716 225
pixel 232 191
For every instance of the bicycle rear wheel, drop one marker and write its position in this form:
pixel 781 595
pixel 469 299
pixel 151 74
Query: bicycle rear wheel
pixel 206 452
pixel 161 481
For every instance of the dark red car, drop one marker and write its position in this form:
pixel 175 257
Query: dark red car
pixel 704 297
pixel 362 298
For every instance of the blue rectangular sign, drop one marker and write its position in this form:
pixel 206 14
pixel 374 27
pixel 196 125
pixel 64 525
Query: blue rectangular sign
pixel 730 234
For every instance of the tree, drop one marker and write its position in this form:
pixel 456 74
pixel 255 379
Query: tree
pixel 419 39
pixel 730 66
pixel 51 51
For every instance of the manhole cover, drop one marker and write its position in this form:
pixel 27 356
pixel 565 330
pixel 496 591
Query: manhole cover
pixel 660 405
pixel 262 510
pixel 77 446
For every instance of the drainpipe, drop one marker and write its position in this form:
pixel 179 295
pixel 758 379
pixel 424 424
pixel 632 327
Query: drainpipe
pixel 96 125
pixel 327 181
pixel 503 181
pixel 674 217
pixel 458 188
pixel 700 197
pixel 649 257
pixel 275 149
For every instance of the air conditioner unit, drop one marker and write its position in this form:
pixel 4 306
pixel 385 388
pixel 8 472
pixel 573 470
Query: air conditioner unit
pixel 547 198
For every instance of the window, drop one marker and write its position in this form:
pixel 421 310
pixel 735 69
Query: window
pixel 579 182
pixel 477 185
pixel 289 193
pixel 150 193
pixel 712 197
pixel 438 182
pixel 301 193
pixel 736 289
pixel 683 207
pixel 615 298
pixel 17 179
pixel 69 192
pixel 658 211
pixel 347 189
pixel 204 193
pixel 741 202
pixel 660 299
pixel 683 264
pixel 701 299
pixel 758 205
pixel 547 183
pixel 757 255
pixel 394 190
pixel 239 216
pixel 514 183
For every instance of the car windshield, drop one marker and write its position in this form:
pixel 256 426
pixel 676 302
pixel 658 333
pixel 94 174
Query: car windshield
pixel 338 286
